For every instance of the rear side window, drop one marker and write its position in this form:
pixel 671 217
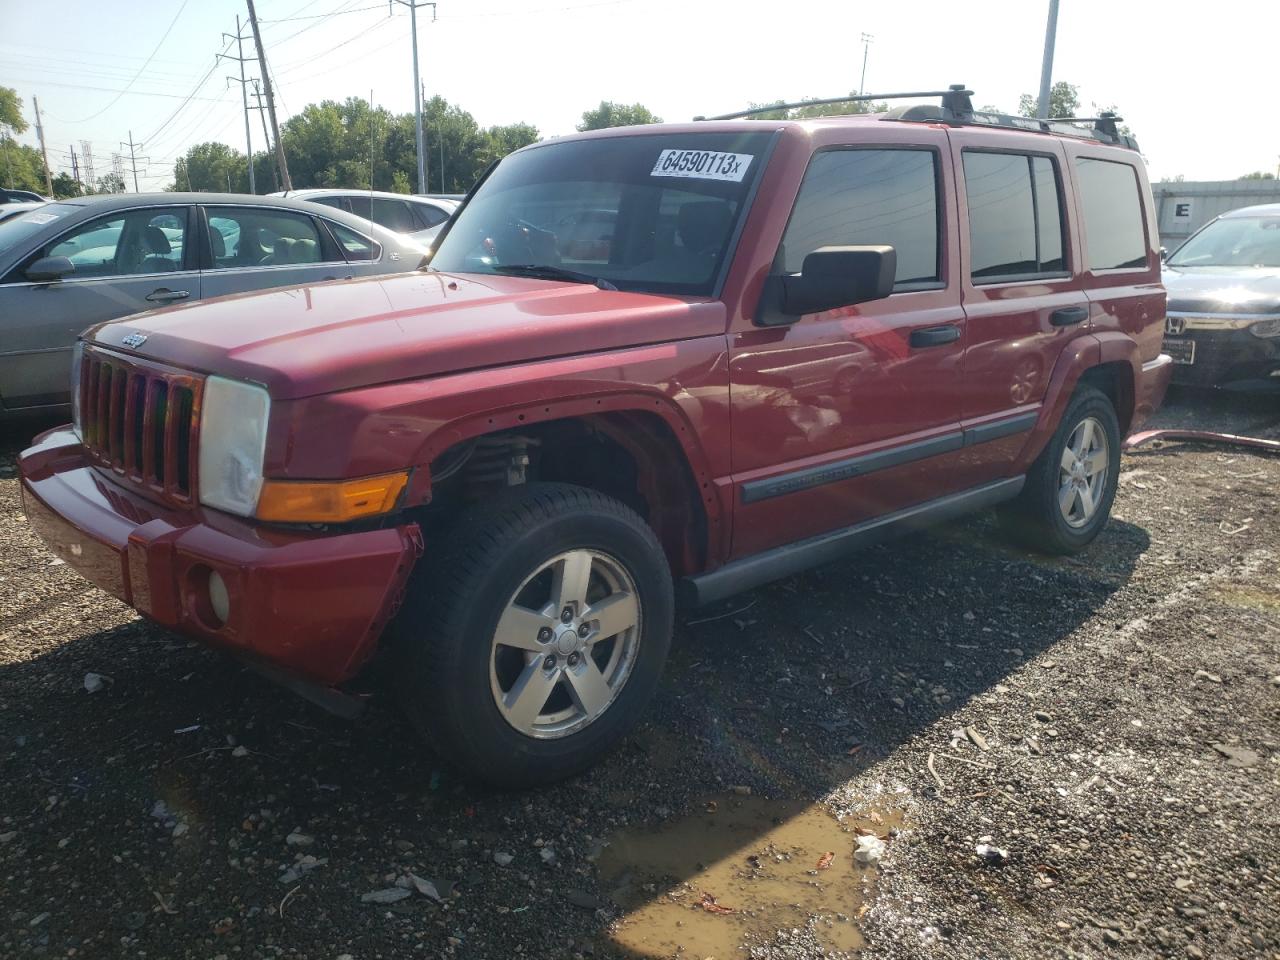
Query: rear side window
pixel 1113 234
pixel 393 214
pixel 1015 216
pixel 854 197
pixel 427 216
pixel 354 246
pixel 262 237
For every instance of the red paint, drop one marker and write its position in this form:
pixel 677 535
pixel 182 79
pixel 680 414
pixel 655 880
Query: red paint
pixel 384 374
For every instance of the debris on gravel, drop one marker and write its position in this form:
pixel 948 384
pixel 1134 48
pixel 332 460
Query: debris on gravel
pixel 1132 798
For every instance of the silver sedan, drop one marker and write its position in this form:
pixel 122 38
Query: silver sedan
pixel 75 263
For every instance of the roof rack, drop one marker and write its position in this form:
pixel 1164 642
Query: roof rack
pixel 955 99
pixel 956 109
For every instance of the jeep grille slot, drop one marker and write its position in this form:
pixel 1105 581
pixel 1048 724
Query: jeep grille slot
pixel 140 421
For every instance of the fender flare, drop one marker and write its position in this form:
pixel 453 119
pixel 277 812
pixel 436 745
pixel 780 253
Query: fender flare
pixel 608 400
pixel 1078 356
pixel 1084 353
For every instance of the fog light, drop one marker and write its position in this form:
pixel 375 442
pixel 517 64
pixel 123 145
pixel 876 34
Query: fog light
pixel 219 601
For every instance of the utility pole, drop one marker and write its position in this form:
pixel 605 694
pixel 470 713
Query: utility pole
pixel 866 48
pixel 262 113
pixel 75 170
pixel 413 6
pixel 244 97
pixel 426 165
pixel 133 160
pixel 271 103
pixel 48 178
pixel 1046 68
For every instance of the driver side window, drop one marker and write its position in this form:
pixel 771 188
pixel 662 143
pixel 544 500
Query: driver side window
pixel 129 244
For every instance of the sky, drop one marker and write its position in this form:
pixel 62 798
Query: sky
pixel 1194 87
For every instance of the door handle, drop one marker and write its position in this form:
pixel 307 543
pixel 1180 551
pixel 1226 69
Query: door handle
pixel 164 295
pixel 935 336
pixel 1069 316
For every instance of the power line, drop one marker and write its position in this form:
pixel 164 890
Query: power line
pixel 84 86
pixel 308 61
pixel 320 20
pixel 130 84
pixel 195 90
pixel 321 16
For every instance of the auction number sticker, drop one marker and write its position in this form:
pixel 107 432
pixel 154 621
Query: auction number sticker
pixel 702 165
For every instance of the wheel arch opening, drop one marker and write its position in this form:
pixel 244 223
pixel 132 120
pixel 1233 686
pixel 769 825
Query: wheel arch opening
pixel 1115 379
pixel 633 456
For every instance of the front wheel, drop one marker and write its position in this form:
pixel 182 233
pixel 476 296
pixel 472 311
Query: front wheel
pixel 530 643
pixel 1070 488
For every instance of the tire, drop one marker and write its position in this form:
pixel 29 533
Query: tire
pixel 1037 519
pixel 460 686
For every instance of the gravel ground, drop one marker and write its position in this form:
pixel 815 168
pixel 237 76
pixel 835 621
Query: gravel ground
pixel 1109 725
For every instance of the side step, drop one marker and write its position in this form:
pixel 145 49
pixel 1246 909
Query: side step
pixel 761 568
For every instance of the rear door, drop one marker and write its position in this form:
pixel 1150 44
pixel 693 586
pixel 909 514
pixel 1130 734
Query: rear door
pixel 256 248
pixel 1121 260
pixel 1023 296
pixel 126 261
pixel 852 413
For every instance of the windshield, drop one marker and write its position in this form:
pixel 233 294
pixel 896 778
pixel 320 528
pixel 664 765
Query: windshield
pixel 1232 242
pixel 16 229
pixel 654 213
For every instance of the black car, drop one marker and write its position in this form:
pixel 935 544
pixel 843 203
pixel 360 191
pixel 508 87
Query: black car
pixel 1223 326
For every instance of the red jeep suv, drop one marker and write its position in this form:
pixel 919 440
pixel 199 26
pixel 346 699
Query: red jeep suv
pixel 645 365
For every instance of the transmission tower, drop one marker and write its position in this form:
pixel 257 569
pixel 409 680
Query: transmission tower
pixel 86 156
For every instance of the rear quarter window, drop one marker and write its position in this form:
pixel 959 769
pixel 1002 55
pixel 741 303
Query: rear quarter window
pixel 1114 238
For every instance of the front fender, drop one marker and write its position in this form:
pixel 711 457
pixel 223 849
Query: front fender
pixel 409 424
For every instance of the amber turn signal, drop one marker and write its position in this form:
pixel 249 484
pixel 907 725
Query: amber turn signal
pixel 311 501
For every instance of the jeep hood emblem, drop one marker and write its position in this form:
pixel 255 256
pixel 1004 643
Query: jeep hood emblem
pixel 134 340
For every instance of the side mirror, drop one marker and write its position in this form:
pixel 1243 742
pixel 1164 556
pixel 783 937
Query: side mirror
pixel 831 277
pixel 48 269
pixel 1164 254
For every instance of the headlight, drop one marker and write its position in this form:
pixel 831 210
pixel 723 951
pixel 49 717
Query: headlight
pixel 233 438
pixel 77 361
pixel 1266 328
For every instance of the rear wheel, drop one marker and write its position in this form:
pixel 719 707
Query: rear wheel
pixel 1070 488
pixel 531 642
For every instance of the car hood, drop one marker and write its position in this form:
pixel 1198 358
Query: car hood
pixel 326 337
pixel 1223 289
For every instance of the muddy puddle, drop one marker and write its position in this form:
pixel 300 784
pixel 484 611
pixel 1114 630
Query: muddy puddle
pixel 737 869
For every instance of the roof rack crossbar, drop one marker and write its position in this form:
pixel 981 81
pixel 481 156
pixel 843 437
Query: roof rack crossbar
pixel 955 99
pixel 1105 122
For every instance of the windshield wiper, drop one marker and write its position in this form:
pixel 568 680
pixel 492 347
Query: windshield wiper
pixel 549 272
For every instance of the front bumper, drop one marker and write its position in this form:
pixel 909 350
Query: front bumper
pixel 1224 356
pixel 312 604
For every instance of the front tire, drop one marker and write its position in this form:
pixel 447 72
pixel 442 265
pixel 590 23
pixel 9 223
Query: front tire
pixel 535 634
pixel 1070 488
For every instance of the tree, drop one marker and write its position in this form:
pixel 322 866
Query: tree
pixel 210 167
pixel 610 114
pixel 110 183
pixel 65 185
pixel 502 140
pixel 11 110
pixel 1064 101
pixel 1258 175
